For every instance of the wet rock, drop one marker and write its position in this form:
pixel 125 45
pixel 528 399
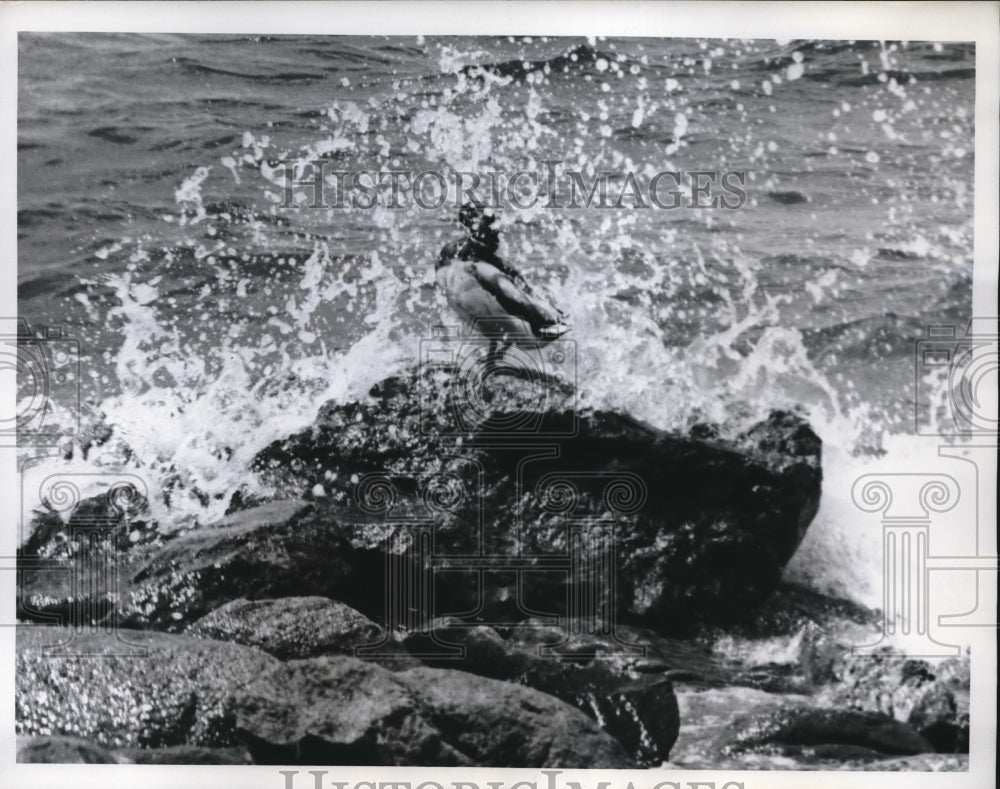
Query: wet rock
pixel 697 528
pixel 790 607
pixel 631 698
pixel 793 642
pixel 69 520
pixel 823 733
pixel 292 628
pixel 61 750
pixel 130 688
pixel 906 689
pixel 701 527
pixel 288 548
pixel 640 713
pixel 338 710
pixel 72 554
pixel 254 553
pixel 479 649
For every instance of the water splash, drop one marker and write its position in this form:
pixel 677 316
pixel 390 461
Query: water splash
pixel 238 319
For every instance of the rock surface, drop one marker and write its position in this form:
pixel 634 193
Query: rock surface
pixel 827 734
pixel 521 505
pixel 338 710
pixel 630 697
pixel 76 558
pixel 702 527
pixel 293 628
pixel 130 688
pixel 909 691
pixel 664 528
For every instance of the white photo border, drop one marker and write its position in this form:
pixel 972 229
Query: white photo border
pixel 939 21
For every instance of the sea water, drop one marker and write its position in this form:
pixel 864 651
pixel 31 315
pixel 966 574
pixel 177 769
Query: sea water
pixel 215 315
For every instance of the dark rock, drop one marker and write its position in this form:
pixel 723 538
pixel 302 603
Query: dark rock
pixel 827 733
pixel 698 528
pixel 73 556
pixel 292 628
pixel 794 642
pixel 338 710
pixel 906 689
pixel 185 754
pixel 790 607
pixel 114 514
pixel 255 553
pixel 130 688
pixel 631 698
pixel 641 714
pixel 61 750
pixel 281 549
pixel 478 649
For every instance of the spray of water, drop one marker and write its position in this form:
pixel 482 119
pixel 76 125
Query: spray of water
pixel 286 308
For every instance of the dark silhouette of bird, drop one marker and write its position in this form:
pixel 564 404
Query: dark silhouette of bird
pixel 490 294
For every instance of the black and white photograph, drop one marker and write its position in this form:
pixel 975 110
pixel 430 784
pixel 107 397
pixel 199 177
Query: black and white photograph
pixel 608 401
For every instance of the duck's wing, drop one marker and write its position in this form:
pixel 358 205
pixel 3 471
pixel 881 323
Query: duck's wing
pixel 513 299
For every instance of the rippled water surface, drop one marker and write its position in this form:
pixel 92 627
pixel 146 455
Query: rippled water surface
pixel 213 318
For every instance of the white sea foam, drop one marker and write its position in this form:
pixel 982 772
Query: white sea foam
pixel 666 330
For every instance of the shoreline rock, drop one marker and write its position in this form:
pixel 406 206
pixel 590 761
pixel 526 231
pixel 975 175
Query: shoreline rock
pixel 129 688
pixel 631 698
pixel 512 520
pixel 295 628
pixel 698 528
pixel 338 710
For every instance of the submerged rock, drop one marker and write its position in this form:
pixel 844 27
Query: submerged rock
pixel 822 733
pixel 130 688
pixel 338 710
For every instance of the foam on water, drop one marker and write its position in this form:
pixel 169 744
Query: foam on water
pixel 671 330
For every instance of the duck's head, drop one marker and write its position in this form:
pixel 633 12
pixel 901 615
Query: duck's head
pixel 479 223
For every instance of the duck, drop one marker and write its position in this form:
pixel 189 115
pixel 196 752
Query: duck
pixel 489 294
